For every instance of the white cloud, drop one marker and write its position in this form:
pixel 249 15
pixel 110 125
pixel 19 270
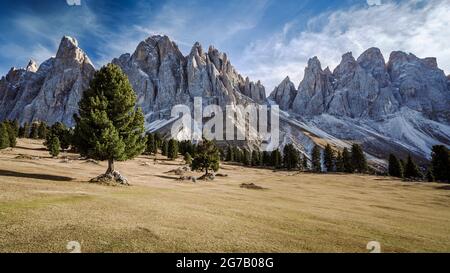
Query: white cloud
pixel 420 27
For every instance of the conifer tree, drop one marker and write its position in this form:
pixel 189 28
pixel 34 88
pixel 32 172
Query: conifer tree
pixel 21 132
pixel 165 148
pixel 188 158
pixel 24 131
pixel 206 158
pixel 54 146
pixel 339 163
pixel 402 163
pixel 395 168
pixel 305 163
pixel 291 157
pixel 186 146
pixel 158 140
pixel 411 169
pixel 42 130
pixel 4 136
pixel 276 159
pixel 63 133
pixel 316 159
pixel 430 176
pixel 11 134
pixel 150 145
pixel 34 131
pixel 329 158
pixel 266 158
pixel 230 154
pixel 359 161
pixel 246 157
pixel 16 126
pixel 347 161
pixel 237 153
pixel 109 127
pixel 172 150
pixel 221 153
pixel 440 162
pixel 255 158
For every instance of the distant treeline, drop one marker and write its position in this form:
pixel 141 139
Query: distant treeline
pixel 59 137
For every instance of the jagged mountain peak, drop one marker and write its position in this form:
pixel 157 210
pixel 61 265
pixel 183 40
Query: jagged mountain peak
pixel 284 94
pixel 348 57
pixel 373 62
pixel 69 53
pixel 66 47
pixel 401 57
pixel 431 62
pixel 385 106
pixel 50 92
pixel 314 64
pixel 32 66
pixel 370 57
pixel 286 80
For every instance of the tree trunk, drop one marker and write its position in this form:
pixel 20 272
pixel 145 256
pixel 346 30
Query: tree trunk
pixel 110 166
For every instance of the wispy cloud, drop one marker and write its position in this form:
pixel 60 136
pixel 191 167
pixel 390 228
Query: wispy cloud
pixel 420 27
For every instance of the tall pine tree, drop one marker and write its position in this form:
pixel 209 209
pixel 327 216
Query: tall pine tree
pixel 305 163
pixel 246 158
pixel 206 158
pixel 291 157
pixel 4 136
pixel 347 161
pixel 359 161
pixel 230 155
pixel 316 159
pixel 109 127
pixel 276 159
pixel 440 162
pixel 34 131
pixel 42 130
pixel 172 150
pixel 26 130
pixel 412 170
pixel 339 163
pixel 329 158
pixel 54 146
pixel 256 160
pixel 165 148
pixel 151 144
pixel 395 168
pixel 266 158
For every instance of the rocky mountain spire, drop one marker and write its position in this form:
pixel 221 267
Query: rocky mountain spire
pixel 372 61
pixel 50 92
pixel 284 94
pixel 313 91
pixel 32 66
pixel 162 77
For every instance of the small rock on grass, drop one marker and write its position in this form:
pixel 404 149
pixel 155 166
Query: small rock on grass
pixel 111 179
pixel 251 186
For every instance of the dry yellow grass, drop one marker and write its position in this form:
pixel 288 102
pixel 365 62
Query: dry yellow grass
pixel 44 203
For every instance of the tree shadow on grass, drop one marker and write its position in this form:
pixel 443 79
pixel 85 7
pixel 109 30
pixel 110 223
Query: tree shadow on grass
pixel 443 187
pixel 35 176
pixel 31 149
pixel 167 177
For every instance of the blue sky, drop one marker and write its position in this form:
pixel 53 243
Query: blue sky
pixel 265 39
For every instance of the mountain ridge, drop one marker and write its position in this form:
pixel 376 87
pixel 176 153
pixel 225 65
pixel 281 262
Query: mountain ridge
pixel 394 106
